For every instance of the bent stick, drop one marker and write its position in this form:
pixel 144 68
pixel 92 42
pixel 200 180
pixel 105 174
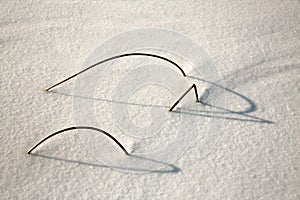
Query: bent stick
pixel 196 94
pixel 79 127
pixel 116 57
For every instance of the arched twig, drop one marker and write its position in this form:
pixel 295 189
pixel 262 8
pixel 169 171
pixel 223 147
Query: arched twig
pixel 80 127
pixel 116 57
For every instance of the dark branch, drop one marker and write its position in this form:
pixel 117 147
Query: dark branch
pixel 80 127
pixel 196 93
pixel 116 57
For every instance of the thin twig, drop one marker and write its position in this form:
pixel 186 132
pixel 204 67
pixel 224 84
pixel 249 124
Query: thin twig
pixel 196 94
pixel 80 127
pixel 116 57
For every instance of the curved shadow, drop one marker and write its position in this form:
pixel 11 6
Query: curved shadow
pixel 246 74
pixel 170 168
pixel 252 106
pixel 249 118
pixel 201 113
pixel 79 127
pixel 116 57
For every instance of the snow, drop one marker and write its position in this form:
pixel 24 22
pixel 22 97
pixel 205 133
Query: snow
pixel 254 46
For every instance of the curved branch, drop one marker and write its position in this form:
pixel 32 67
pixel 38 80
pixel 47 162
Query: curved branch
pixel 116 57
pixel 80 127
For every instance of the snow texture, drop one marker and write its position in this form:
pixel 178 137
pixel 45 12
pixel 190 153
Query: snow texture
pixel 255 46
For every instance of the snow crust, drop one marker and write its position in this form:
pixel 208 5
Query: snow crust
pixel 255 46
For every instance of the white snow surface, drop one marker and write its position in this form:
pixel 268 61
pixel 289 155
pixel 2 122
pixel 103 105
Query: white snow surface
pixel 255 47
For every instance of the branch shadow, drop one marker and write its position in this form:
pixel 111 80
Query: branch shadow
pixel 108 100
pixel 251 108
pixel 209 115
pixel 170 167
pixel 221 113
pixel 200 113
